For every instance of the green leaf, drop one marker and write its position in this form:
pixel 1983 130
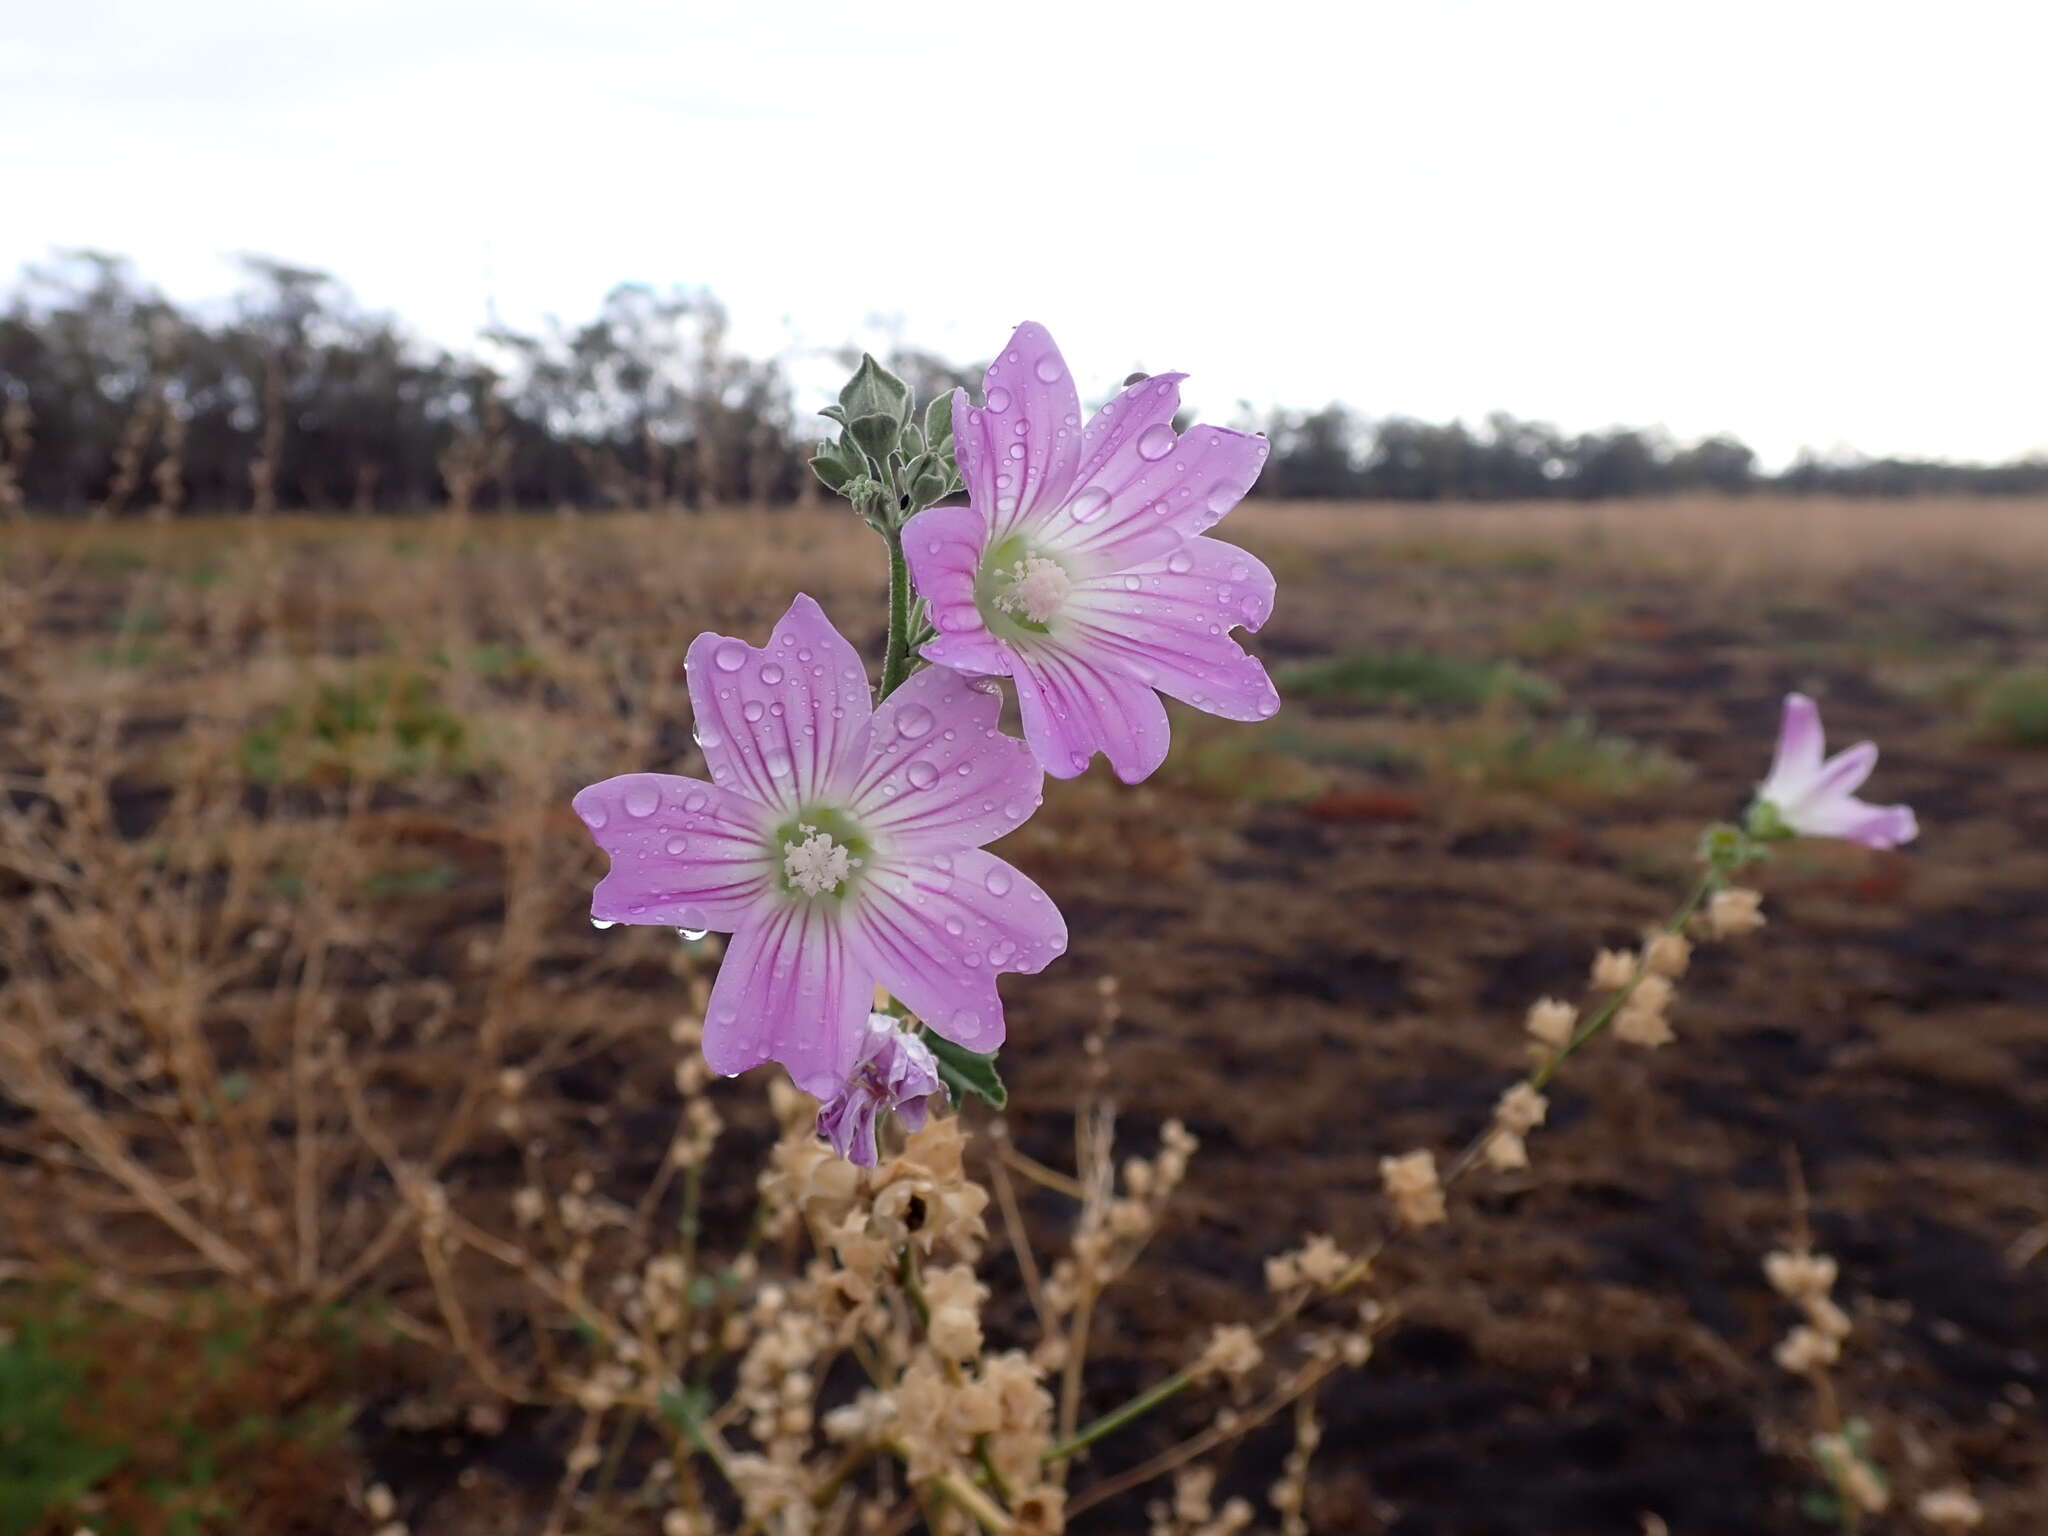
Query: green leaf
pixel 964 1072
pixel 938 419
pixel 828 468
pixel 686 1409
pixel 877 433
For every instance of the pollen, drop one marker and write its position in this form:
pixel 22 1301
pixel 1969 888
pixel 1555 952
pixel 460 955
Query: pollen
pixel 1037 588
pixel 817 865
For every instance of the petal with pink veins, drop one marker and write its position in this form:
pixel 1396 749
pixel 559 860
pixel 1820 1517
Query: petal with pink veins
pixel 945 547
pixel 942 776
pixel 1151 489
pixel 1074 706
pixel 937 930
pixel 789 990
pixel 1168 622
pixel 1017 450
pixel 684 854
pixel 780 724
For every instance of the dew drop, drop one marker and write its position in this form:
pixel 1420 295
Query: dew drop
pixel 966 1019
pixel 641 800
pixel 1131 583
pixel 1048 370
pixel 771 674
pixel 694 800
pixel 753 711
pixel 730 657
pixel 1221 499
pixel 999 399
pixel 675 845
pixel 778 761
pixel 998 881
pixel 595 817
pixel 1180 562
pixel 691 935
pixel 1016 450
pixel 601 923
pixel 922 775
pixel 955 927
pixel 1155 442
pixel 913 720
pixel 1089 505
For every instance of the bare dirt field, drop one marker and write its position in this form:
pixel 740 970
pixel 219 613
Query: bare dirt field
pixel 286 812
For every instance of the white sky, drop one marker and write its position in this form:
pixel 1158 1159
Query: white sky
pixel 1804 222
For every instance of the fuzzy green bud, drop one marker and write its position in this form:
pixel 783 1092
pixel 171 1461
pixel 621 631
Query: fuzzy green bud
pixel 875 391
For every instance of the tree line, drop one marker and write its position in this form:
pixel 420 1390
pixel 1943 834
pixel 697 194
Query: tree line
pixel 115 400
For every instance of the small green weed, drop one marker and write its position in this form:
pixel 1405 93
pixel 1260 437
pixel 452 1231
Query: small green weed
pixel 387 718
pixel 2012 707
pixel 1416 677
pixel 1570 760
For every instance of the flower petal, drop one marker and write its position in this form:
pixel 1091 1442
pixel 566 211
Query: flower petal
pixel 1796 761
pixel 941 776
pixel 1874 826
pixel 1844 773
pixel 1168 621
pixel 790 991
pixel 1018 450
pixel 944 546
pixel 1144 490
pixel 936 930
pixel 777 724
pixel 1074 707
pixel 684 854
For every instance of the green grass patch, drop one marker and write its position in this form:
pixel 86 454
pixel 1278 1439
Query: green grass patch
pixel 1571 760
pixel 2012 707
pixel 386 718
pixel 1414 677
pixel 222 1418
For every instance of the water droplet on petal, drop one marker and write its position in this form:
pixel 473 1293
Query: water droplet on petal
pixel 753 711
pixel 675 845
pixel 1156 441
pixel 1221 499
pixel 730 657
pixel 778 761
pixel 691 935
pixel 966 1019
pixel 1089 505
pixel 596 816
pixel 694 800
pixel 1048 370
pixel 1131 583
pixel 1180 562
pixel 600 924
pixel 998 881
pixel 999 399
pixel 771 674
pixel 955 927
pixel 922 775
pixel 641 800
pixel 913 720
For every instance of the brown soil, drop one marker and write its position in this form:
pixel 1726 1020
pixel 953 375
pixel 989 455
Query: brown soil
pixel 1324 941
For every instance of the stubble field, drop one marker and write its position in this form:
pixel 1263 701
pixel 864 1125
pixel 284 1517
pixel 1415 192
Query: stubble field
pixel 288 884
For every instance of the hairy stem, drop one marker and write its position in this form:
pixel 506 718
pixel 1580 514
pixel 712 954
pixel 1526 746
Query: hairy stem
pixel 896 660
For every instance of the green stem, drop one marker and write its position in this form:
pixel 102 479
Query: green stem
pixel 913 1286
pixel 1117 1418
pixel 896 660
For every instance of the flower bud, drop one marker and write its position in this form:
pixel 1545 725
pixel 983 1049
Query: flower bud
pixel 875 391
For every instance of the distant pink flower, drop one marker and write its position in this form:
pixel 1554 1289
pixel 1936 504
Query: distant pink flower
pixel 839 843
pixel 1078 567
pixel 896 1072
pixel 1816 798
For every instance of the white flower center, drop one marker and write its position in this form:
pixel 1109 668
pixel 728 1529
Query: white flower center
pixel 1037 588
pixel 817 864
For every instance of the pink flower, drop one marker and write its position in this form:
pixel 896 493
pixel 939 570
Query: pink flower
pixel 896 1072
pixel 1816 798
pixel 839 843
pixel 1079 568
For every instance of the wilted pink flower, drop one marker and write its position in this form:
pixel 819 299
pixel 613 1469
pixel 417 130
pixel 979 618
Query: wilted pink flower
pixel 1078 568
pixel 840 845
pixel 1816 798
pixel 896 1071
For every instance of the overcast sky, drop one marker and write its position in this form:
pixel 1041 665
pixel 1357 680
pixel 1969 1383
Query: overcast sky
pixel 1806 223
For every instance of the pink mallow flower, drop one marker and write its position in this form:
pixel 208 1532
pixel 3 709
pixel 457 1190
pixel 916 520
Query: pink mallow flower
pixel 1816 798
pixel 839 843
pixel 1078 568
pixel 896 1072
